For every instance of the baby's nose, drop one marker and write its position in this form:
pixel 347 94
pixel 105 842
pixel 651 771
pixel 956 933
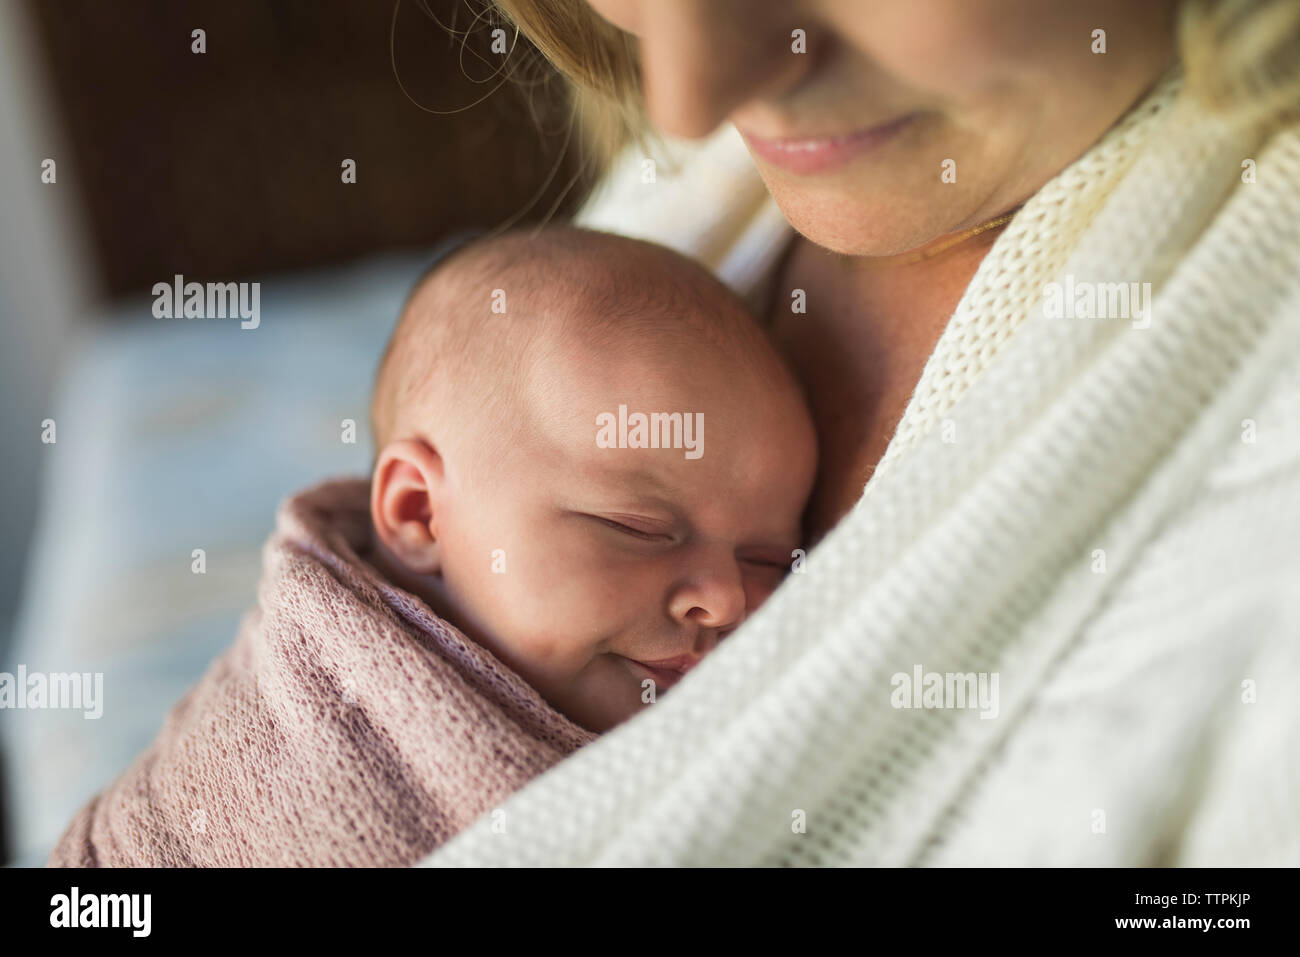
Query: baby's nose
pixel 713 603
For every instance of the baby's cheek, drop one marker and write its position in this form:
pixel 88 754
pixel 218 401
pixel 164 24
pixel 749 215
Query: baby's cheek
pixel 564 613
pixel 759 586
pixel 558 650
pixel 545 607
pixel 543 647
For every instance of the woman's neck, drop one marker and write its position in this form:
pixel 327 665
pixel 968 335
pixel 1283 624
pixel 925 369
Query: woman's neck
pixel 860 348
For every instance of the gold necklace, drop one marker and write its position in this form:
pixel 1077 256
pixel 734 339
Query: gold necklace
pixel 916 256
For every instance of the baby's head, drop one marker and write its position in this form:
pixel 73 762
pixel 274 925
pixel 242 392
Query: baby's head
pixel 589 457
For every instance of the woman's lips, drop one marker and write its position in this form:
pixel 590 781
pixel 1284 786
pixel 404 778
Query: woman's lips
pixel 816 154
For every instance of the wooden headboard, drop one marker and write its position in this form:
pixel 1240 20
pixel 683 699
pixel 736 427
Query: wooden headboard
pixel 230 162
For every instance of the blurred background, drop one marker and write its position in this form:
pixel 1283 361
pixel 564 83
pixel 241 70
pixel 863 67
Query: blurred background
pixel 176 435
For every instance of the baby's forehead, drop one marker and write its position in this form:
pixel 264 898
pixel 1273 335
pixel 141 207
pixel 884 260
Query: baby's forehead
pixel 598 306
pixel 582 268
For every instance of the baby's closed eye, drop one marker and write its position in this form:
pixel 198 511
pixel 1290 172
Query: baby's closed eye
pixel 638 528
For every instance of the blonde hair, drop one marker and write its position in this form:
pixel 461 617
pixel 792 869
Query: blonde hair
pixel 600 63
pixel 1242 56
pixel 1239 56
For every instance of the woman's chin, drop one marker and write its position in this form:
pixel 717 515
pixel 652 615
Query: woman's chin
pixel 880 222
pixel 858 227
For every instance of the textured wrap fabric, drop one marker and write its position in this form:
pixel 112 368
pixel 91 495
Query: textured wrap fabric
pixel 346 725
pixel 1104 515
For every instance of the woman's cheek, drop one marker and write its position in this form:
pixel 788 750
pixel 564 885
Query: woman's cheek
pixel 624 14
pixel 943 50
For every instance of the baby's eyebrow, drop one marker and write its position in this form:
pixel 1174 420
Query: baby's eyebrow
pixel 638 476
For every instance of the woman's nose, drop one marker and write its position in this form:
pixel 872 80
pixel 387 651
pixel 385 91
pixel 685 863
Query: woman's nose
pixel 701 59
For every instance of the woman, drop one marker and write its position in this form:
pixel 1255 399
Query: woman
pixel 1043 298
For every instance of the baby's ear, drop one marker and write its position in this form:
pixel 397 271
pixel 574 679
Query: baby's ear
pixel 407 479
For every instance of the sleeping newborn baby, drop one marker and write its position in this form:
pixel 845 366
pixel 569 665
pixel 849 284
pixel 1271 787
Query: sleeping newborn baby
pixel 591 460
pixel 591 468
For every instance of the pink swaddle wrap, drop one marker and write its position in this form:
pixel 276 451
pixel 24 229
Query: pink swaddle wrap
pixel 347 725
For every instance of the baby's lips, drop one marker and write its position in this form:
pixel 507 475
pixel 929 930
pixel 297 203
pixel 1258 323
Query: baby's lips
pixel 678 663
pixel 663 678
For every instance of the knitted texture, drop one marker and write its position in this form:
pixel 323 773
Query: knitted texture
pixel 1046 230
pixel 346 725
pixel 1095 528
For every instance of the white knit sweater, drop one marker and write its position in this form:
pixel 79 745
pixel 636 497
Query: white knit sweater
pixel 1105 516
